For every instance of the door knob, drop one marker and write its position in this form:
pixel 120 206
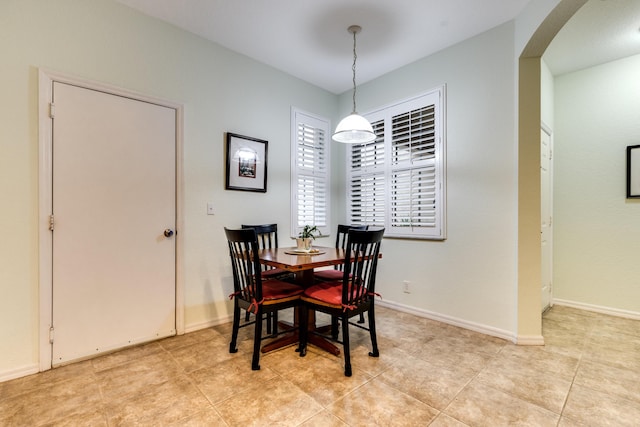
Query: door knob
pixel 168 232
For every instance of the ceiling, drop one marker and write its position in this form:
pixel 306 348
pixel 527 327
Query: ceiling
pixel 601 31
pixel 309 40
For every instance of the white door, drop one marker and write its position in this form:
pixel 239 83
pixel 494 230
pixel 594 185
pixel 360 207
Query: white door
pixel 546 216
pixel 114 195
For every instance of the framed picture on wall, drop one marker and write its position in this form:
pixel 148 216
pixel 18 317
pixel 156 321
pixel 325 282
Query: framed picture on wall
pixel 633 171
pixel 246 163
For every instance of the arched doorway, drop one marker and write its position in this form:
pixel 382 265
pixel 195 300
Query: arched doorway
pixel 529 120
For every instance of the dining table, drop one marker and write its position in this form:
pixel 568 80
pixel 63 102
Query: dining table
pixel 302 265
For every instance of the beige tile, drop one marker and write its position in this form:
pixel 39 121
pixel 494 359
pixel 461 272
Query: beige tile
pixel 184 340
pixel 273 402
pixel 609 379
pixel 123 356
pixel 444 420
pixel 203 354
pixel 613 356
pixel 618 325
pixel 378 404
pixel 389 355
pixel 162 404
pixel 596 408
pixel 435 386
pixel 96 418
pixel 229 378
pixel 564 341
pixel 541 359
pixel 321 376
pixel 48 378
pixel 452 353
pixel 74 398
pixel 568 422
pixel 481 405
pixel 324 419
pixel 208 417
pixel 528 381
pixel 137 375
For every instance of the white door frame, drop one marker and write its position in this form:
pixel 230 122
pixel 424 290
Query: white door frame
pixel 45 199
pixel 549 194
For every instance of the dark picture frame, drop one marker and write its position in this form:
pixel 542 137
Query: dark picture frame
pixel 633 172
pixel 246 168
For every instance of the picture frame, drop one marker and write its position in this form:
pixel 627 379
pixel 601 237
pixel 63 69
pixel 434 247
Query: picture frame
pixel 633 172
pixel 246 168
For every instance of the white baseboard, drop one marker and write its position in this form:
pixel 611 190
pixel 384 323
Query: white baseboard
pixel 483 329
pixel 20 372
pixel 598 309
pixel 530 340
pixel 208 324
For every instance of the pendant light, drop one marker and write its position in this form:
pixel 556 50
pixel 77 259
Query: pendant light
pixel 354 129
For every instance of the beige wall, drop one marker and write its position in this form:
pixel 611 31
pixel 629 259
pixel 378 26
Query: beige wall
pixel 597 230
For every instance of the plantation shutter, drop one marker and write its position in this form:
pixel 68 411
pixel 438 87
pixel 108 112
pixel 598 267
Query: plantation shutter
pixel 397 181
pixel 413 176
pixel 310 173
pixel 367 183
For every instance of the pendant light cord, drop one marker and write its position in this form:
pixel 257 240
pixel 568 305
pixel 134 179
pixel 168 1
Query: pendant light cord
pixel 355 56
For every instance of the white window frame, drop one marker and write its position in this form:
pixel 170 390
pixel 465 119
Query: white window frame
pixel 380 201
pixel 320 215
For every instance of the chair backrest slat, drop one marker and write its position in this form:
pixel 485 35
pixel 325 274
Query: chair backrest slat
pixel 341 238
pixel 267 235
pixel 361 262
pixel 243 250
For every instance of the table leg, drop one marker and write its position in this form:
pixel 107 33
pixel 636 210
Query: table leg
pixel 293 337
pixel 304 278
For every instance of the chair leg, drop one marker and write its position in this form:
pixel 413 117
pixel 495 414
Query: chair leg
pixel 274 320
pixel 269 323
pixel 361 320
pixel 372 332
pixel 334 327
pixel 303 320
pixel 236 326
pixel 257 337
pixel 345 346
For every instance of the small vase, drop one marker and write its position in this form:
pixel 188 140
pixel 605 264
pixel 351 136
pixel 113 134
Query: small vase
pixel 304 244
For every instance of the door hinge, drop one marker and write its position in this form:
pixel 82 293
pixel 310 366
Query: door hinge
pixel 51 335
pixel 51 222
pixel 52 110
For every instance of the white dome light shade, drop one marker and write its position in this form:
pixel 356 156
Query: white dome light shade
pixel 354 129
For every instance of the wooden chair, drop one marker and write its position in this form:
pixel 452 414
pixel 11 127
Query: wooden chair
pixel 253 294
pixel 341 242
pixel 335 274
pixel 353 295
pixel 268 239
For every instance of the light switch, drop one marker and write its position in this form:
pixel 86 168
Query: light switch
pixel 210 209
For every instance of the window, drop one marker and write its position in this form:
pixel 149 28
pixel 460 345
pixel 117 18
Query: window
pixel 397 181
pixel 310 193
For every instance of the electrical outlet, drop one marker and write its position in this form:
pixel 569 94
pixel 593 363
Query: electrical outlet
pixel 406 287
pixel 210 210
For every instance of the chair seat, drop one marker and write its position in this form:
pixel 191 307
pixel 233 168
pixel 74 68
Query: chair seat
pixel 328 274
pixel 277 289
pixel 273 272
pixel 326 293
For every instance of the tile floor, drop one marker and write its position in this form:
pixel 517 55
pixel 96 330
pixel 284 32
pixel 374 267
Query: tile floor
pixel 429 373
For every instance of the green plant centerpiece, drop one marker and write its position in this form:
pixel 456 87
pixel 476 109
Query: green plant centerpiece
pixel 306 237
